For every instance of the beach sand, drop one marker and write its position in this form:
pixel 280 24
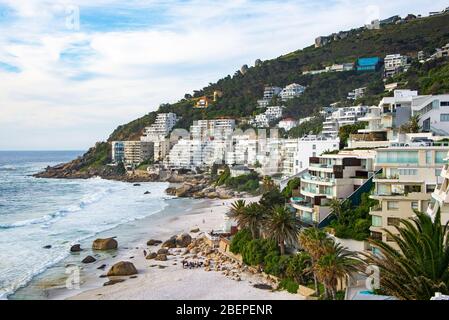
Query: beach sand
pixel 167 279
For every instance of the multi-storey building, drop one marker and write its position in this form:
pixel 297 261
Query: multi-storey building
pixel 331 176
pixel 136 152
pixel 292 91
pixel 356 93
pixel 217 128
pixel 269 93
pixel 409 176
pixel 433 112
pixel 271 114
pixel 342 117
pixel 118 151
pixel 394 64
pixel 162 126
pixel 187 154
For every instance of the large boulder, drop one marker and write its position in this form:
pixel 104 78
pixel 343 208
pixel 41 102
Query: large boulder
pixel 122 268
pixel 184 190
pixel 105 244
pixel 170 243
pixel 161 257
pixel 183 240
pixel 75 248
pixel 153 242
pixel 151 255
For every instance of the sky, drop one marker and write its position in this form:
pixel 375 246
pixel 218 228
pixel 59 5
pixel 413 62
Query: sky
pixel 72 71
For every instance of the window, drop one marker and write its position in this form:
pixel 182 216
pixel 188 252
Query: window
pixel 376 221
pixel 440 156
pixel 444 117
pixel 376 236
pixel 430 188
pixel 437 172
pixel 415 205
pixel 408 172
pixel 444 103
pixel 392 205
pixel 314 147
pixel 393 221
pixel 428 157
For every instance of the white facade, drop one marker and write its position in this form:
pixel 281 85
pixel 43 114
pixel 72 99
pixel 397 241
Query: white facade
pixel 206 129
pixel 271 114
pixel 268 94
pixel 343 117
pixel 292 91
pixel 433 112
pixel 356 93
pixel 160 128
pixel 287 124
pixel 395 63
pixel 186 154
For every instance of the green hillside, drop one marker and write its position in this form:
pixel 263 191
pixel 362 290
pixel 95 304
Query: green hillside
pixel 240 92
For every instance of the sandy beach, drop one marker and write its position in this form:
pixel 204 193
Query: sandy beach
pixel 168 279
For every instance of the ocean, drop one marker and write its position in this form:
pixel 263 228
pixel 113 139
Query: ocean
pixel 37 213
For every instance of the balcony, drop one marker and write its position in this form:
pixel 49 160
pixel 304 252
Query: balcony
pixel 303 206
pixel 318 180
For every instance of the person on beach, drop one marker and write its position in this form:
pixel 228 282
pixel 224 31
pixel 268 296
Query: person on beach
pixel 144 253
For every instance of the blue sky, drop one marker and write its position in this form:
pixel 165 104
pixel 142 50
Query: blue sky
pixel 68 82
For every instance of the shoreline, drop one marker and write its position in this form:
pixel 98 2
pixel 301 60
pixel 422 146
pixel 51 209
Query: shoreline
pixel 167 279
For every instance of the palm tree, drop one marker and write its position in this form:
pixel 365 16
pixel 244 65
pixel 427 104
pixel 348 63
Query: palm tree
pixel 252 218
pixel 268 184
pixel 421 265
pixel 335 264
pixel 237 209
pixel 313 241
pixel 336 207
pixel 283 226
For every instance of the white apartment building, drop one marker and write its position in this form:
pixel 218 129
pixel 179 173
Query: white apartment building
pixel 187 154
pixel 162 126
pixel 135 152
pixel 268 94
pixel 356 93
pixel 244 150
pixel 433 111
pixel 292 91
pixel 287 124
pixel 409 176
pixel 215 129
pixel 271 114
pixel 343 117
pixel 331 176
pixel 394 64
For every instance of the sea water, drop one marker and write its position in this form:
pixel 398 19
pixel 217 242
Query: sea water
pixel 38 213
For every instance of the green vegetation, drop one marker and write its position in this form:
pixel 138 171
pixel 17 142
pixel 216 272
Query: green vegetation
pixel 293 184
pixel 314 126
pixel 352 222
pixel 246 183
pixel 421 267
pixel 241 92
pixel 412 126
pixel 345 131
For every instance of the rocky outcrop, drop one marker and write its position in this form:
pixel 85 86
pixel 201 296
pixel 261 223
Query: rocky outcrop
pixel 75 248
pixel 161 257
pixel 104 244
pixel 89 259
pixel 122 268
pixel 170 243
pixel 162 251
pixel 183 240
pixel 151 255
pixel 153 242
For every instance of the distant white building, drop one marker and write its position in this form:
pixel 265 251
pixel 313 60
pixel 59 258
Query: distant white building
pixel 287 124
pixel 292 91
pixel 269 93
pixel 433 112
pixel 162 126
pixel 217 128
pixel 187 154
pixel 356 93
pixel 394 64
pixel 271 114
pixel 342 117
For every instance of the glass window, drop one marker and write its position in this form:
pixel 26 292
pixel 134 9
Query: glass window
pixel 439 156
pixel 415 205
pixel 444 103
pixel 376 221
pixel 393 221
pixel 392 205
pixel 444 117
pixel 428 157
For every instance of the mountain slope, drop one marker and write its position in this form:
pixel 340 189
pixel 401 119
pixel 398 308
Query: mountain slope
pixel 240 92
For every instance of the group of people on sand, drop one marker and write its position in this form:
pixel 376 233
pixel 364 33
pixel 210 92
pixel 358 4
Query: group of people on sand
pixel 192 264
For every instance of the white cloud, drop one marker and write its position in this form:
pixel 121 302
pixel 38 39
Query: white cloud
pixel 76 86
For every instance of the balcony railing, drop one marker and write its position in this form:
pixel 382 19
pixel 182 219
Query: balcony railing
pixel 382 176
